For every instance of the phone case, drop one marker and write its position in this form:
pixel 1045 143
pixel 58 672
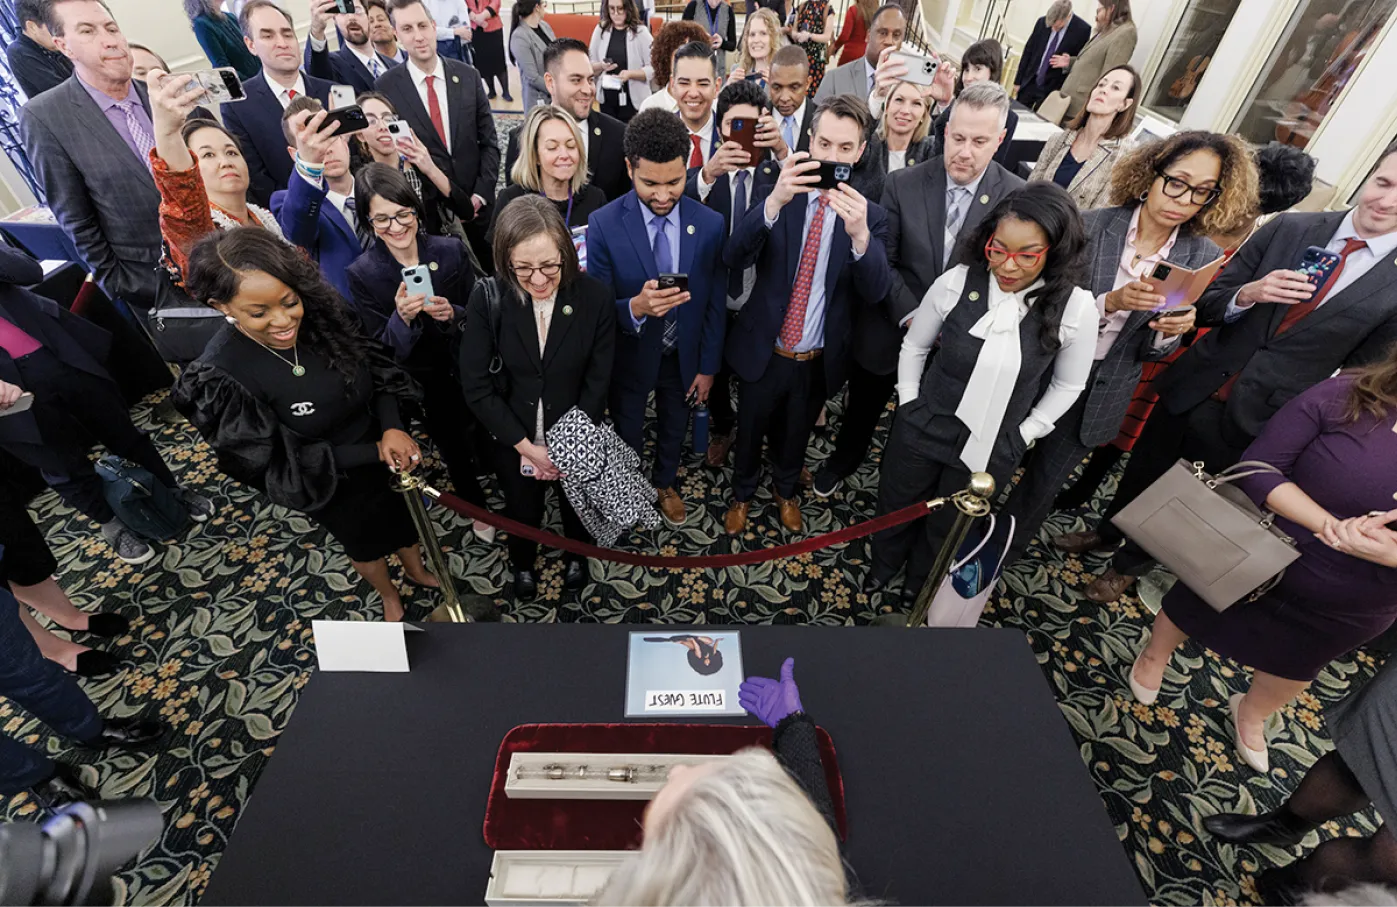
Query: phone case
pixel 1318 264
pixel 1182 287
pixel 419 281
pixel 920 70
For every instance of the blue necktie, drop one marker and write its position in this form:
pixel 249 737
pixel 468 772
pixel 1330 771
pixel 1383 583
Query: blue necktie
pixel 664 264
pixel 788 132
pixel 739 208
pixel 375 69
pixel 1047 54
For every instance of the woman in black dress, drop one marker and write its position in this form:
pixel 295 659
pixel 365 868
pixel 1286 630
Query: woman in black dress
pixel 538 341
pixel 298 403
pixel 552 164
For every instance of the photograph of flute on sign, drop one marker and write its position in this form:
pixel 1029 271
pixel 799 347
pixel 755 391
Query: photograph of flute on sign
pixel 678 674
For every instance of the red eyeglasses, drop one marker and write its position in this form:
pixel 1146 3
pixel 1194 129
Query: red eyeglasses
pixel 996 254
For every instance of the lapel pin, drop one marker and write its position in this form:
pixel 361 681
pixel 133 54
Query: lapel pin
pixel 974 295
pixel 984 199
pixel 567 310
pixel 691 229
pixel 596 130
pixel 456 79
pixel 432 266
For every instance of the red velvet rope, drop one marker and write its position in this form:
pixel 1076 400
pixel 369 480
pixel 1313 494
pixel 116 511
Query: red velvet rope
pixel 847 534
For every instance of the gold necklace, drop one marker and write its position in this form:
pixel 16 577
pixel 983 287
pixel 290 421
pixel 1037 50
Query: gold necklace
pixel 297 369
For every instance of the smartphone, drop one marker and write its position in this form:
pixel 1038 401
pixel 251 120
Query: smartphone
pixel 1172 312
pixel 344 7
pixel 1318 265
pixel 341 96
pixel 920 70
pixel 398 129
pixel 419 281
pixel 743 131
pixel 832 173
pixel 1181 286
pixel 21 405
pixel 221 86
pixel 526 468
pixel 351 120
pixel 672 281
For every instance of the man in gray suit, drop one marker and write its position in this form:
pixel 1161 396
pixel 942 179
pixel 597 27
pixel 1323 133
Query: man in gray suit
pixel 1275 335
pixel 887 29
pixel 90 140
pixel 929 206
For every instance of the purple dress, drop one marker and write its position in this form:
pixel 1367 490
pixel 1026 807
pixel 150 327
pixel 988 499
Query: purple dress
pixel 1329 602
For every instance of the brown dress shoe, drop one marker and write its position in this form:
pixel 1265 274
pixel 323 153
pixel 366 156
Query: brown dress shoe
pixel 1081 542
pixel 671 507
pixel 790 513
pixel 718 447
pixel 736 520
pixel 806 479
pixel 1109 586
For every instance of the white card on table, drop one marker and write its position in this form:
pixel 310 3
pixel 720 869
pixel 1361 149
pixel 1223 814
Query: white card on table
pixel 671 674
pixel 360 645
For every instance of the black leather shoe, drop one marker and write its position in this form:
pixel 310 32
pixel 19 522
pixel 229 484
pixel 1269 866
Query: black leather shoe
pixel 575 576
pixel 127 733
pixel 63 787
pixel 108 625
pixel 525 585
pixel 95 663
pixel 1281 886
pixel 1282 828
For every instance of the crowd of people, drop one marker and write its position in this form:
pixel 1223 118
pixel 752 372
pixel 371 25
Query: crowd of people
pixel 700 222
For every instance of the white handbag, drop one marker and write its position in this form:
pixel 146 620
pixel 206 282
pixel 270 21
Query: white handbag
pixel 953 607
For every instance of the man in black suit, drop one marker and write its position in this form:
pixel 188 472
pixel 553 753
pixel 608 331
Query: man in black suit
pixel 444 102
pixel 817 261
pixel 356 64
pixel 256 120
pixel 1274 336
pixel 567 71
pixel 929 207
pixel 35 61
pixel 788 86
pixel 1059 31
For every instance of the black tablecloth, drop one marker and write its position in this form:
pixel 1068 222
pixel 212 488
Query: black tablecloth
pixel 964 785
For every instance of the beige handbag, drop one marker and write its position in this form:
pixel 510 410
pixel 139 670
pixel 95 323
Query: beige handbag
pixel 1054 107
pixel 1209 534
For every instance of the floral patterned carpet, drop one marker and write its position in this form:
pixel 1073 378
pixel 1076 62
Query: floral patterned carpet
pixel 220 647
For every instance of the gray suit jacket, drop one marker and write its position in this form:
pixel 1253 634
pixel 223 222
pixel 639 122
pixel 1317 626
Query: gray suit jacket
pixel 1115 377
pixel 103 196
pixel 851 78
pixel 528 48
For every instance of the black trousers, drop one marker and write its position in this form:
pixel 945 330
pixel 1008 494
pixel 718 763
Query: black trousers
pixel 453 428
pixel 74 409
pixel 1031 93
pixel 26 559
pixel 671 419
pixel 1201 433
pixel 722 417
pixel 781 408
pixel 525 499
pixel 868 399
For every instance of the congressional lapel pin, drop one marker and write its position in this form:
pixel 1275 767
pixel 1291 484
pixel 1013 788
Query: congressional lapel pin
pixel 691 229
pixel 974 295
pixel 432 266
pixel 567 310
pixel 456 79
pixel 596 130
pixel 984 199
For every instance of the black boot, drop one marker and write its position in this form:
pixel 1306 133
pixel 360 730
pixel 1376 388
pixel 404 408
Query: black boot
pixel 1282 828
pixel 1281 886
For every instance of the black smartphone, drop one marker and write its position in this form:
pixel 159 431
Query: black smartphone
pixel 1172 312
pixel 351 120
pixel 832 173
pixel 673 281
pixel 344 7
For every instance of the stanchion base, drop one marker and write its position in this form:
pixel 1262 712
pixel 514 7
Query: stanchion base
pixel 890 620
pixel 442 615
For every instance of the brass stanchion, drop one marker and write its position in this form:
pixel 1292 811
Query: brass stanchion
pixel 412 489
pixel 970 504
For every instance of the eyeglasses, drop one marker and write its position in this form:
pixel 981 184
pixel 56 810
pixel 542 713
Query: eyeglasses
pixel 525 272
pixel 996 254
pixel 1177 188
pixel 402 219
pixel 376 120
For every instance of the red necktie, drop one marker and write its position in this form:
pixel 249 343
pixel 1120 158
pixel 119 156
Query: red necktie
pixel 290 94
pixel 434 109
pixel 794 326
pixel 695 155
pixel 1300 309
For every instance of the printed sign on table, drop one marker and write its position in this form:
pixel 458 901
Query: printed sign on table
pixel 675 674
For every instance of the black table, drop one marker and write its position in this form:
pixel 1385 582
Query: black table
pixel 964 785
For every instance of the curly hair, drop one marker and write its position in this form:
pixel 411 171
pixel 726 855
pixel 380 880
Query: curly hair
pixel 1286 175
pixel 1236 203
pixel 221 260
pixel 672 37
pixel 657 136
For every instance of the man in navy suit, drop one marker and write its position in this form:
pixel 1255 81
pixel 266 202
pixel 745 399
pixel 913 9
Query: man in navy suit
pixel 670 340
pixel 316 211
pixel 816 260
pixel 356 64
pixel 1058 31
pixel 727 184
pixel 256 120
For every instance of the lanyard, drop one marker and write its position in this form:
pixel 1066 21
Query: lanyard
pixel 567 221
pixel 711 15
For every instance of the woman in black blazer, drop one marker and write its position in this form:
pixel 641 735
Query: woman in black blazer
pixel 417 328
pixel 901 138
pixel 519 386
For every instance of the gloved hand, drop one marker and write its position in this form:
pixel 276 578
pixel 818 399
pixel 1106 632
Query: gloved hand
pixel 771 700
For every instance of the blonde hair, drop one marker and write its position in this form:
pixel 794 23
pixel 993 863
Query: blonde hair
pixel 922 128
pixel 528 168
pixel 743 833
pixel 773 28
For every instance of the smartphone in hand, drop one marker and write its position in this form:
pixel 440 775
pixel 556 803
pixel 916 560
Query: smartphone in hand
pixel 920 70
pixel 418 280
pixel 221 86
pixel 351 120
pixel 1318 264
pixel 743 131
pixel 832 173
pixel 673 281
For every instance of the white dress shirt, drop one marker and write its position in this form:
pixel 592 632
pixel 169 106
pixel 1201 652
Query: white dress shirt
pixel 419 78
pixel 660 100
pixel 284 94
pixel 997 367
pixel 1131 269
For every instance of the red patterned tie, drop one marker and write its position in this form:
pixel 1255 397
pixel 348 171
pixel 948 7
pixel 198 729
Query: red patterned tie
pixel 696 155
pixel 434 109
pixel 794 326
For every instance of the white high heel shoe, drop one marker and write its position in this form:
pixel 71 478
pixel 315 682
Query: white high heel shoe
pixel 1143 694
pixel 1257 759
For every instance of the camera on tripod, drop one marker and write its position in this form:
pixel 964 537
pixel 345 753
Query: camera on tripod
pixel 70 858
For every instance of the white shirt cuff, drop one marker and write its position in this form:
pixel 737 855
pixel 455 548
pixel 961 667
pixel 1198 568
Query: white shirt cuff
pixel 703 187
pixel 1034 428
pixel 318 44
pixel 1234 309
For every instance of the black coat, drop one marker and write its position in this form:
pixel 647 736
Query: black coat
pixel 1076 35
pixel 606 158
pixel 36 68
pixel 256 121
pixel 574 370
pixel 344 68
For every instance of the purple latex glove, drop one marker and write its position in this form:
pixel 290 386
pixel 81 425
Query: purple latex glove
pixel 771 700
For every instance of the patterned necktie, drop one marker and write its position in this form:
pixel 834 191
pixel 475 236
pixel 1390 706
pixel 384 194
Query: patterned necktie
pixel 664 264
pixel 793 328
pixel 143 139
pixel 955 214
pixel 365 237
pixel 696 151
pixel 788 132
pixel 434 109
pixel 1047 55
pixel 375 68
pixel 739 208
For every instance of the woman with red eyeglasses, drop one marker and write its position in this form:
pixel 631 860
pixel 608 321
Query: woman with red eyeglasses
pixel 1016 338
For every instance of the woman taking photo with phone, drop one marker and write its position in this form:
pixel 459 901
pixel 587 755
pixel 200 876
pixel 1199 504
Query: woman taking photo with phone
pixel 296 402
pixel 761 39
pixel 1016 337
pixel 552 164
pixel 418 326
pixel 539 340
pixel 620 47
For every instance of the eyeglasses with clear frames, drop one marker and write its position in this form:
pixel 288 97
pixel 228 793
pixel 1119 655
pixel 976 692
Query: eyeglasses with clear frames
pixel 996 254
pixel 376 120
pixel 405 218
pixel 1177 188
pixel 525 272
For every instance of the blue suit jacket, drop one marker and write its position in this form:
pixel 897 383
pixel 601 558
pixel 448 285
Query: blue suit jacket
pixel 776 253
pixel 256 121
pixel 619 255
pixel 343 68
pixel 311 222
